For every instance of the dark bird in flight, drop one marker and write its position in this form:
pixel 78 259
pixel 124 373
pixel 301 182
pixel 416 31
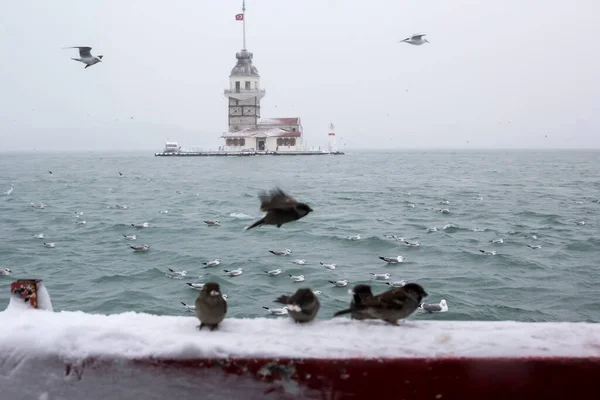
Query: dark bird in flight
pixel 280 209
pixel 302 306
pixel 391 305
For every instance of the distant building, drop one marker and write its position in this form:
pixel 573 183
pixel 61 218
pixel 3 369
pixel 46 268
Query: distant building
pixel 247 130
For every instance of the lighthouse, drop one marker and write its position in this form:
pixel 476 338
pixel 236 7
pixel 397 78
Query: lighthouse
pixel 331 144
pixel 246 129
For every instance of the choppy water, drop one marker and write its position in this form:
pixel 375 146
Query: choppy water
pixel 506 195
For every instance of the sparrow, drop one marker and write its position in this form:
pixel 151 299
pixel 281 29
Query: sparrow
pixel 360 293
pixel 302 306
pixel 280 209
pixel 391 305
pixel 211 307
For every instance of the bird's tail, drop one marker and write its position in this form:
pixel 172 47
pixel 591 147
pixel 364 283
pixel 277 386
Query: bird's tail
pixel 124 235
pixel 189 284
pixel 167 268
pixel 185 305
pixel 205 263
pixel 226 270
pixel 282 299
pixel 266 308
pixel 332 282
pixel 346 311
pixel 257 223
pixel 382 258
pixel 134 249
pixel 321 263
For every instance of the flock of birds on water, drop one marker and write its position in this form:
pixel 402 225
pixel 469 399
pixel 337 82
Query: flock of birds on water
pixel 86 57
pixel 211 305
pixel 390 306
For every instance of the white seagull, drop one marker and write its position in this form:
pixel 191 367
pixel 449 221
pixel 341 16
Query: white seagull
pixel 212 263
pixel 39 236
pixel 488 252
pixel 5 272
pixel 340 283
pixel 392 260
pixel 197 286
pixel 130 237
pixel 382 277
pixel 176 274
pixel 412 244
pixel 415 39
pixel 355 237
pixel 140 226
pixel 299 262
pixel 140 249
pixel 234 272
pixel 497 241
pixel 212 223
pixel 188 307
pixel 396 283
pixel 535 246
pixel 39 206
pixel 328 266
pixel 274 272
pixel 86 56
pixel 285 252
pixel 277 311
pixel 9 191
pixel 297 278
pixel 50 245
pixel 442 307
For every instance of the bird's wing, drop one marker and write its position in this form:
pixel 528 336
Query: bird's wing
pixel 276 199
pixel 417 36
pixel 83 51
pixel 391 299
pixel 432 307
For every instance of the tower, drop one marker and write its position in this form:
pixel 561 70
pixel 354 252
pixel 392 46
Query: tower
pixel 244 93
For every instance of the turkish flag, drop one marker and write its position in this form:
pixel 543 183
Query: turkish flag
pixel 239 17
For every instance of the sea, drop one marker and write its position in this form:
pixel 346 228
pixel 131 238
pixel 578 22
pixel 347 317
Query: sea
pixel 454 203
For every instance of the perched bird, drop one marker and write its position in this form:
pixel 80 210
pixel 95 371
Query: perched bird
pixel 328 266
pixel 197 286
pixel 302 306
pixel 140 249
pixel 86 56
pixel 297 278
pixel 234 272
pixel 392 260
pixel 212 263
pixel 340 283
pixel 211 307
pixel 274 272
pixel 416 40
pixel 382 277
pixel 391 305
pixel 285 252
pixel 277 311
pixel 212 223
pixel 5 271
pixel 359 293
pixel 280 209
pixel 442 307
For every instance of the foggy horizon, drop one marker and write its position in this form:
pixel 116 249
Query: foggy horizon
pixel 494 76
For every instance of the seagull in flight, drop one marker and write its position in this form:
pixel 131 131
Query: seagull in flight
pixel 416 40
pixel 86 56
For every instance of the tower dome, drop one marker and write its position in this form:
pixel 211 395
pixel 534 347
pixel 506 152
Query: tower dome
pixel 243 66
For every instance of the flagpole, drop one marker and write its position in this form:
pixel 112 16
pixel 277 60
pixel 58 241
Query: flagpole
pixel 244 21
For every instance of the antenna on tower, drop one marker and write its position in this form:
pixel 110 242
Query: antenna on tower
pixel 244 21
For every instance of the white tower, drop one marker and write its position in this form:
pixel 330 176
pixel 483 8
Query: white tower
pixel 331 145
pixel 244 93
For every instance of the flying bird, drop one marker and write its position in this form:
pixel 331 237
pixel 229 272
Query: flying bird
pixel 416 40
pixel 86 56
pixel 280 209
pixel 302 306
pixel 391 305
pixel 211 307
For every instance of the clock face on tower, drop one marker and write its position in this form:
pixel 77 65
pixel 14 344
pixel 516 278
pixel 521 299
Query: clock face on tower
pixel 236 111
pixel 249 110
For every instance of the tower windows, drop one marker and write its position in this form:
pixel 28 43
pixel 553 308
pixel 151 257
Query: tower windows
pixel 247 87
pixel 237 86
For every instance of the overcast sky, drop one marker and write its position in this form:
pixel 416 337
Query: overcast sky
pixel 496 73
